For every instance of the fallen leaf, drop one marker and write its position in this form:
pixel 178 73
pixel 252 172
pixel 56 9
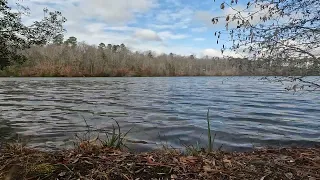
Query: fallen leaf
pixel 79 155
pixel 227 161
pixel 209 162
pixel 150 160
pixel 173 177
pixel 262 178
pixel 62 174
pixel 208 169
pixel 88 162
pixel 75 161
pixel 189 160
pixel 103 157
pixel 289 175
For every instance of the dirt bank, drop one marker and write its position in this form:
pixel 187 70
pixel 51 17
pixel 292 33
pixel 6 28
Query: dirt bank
pixel 105 163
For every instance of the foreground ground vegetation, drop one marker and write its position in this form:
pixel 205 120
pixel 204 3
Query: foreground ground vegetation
pixel 93 162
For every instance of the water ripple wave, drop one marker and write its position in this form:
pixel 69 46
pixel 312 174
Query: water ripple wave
pixel 245 111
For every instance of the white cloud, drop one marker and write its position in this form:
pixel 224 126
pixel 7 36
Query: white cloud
pixel 212 53
pixel 182 14
pixel 92 21
pixel 199 29
pixel 174 2
pixel 184 24
pixel 169 35
pixel 172 16
pixel 218 53
pixel 203 17
pixel 121 28
pixel 116 22
pixel 94 33
pixel 147 34
pixel 164 17
pixel 179 18
pixel 162 48
pixel 54 2
pixel 198 39
pixel 94 27
pixel 109 11
pixel 162 26
pixel 98 37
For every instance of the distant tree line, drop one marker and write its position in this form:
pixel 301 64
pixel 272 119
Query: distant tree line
pixel 42 50
pixel 71 58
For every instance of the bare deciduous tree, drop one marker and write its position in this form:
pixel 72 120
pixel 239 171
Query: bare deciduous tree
pixel 276 30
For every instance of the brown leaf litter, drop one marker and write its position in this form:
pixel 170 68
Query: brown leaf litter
pixel 106 163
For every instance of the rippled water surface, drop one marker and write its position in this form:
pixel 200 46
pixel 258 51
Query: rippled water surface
pixel 244 112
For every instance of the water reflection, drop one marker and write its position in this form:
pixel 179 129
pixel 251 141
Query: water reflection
pixel 172 111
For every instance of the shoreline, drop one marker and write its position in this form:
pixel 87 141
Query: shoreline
pixel 262 76
pixel 100 162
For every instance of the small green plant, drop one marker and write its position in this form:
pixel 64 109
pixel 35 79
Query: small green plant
pixel 193 150
pixel 115 140
pixel 16 144
pixel 210 140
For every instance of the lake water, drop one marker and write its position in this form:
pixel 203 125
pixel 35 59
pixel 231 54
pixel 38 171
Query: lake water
pixel 244 111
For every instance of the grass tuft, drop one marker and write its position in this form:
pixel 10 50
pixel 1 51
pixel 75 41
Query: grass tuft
pixel 194 150
pixel 210 139
pixel 115 140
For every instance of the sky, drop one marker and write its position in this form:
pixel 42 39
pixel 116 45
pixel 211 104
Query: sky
pixel 182 27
